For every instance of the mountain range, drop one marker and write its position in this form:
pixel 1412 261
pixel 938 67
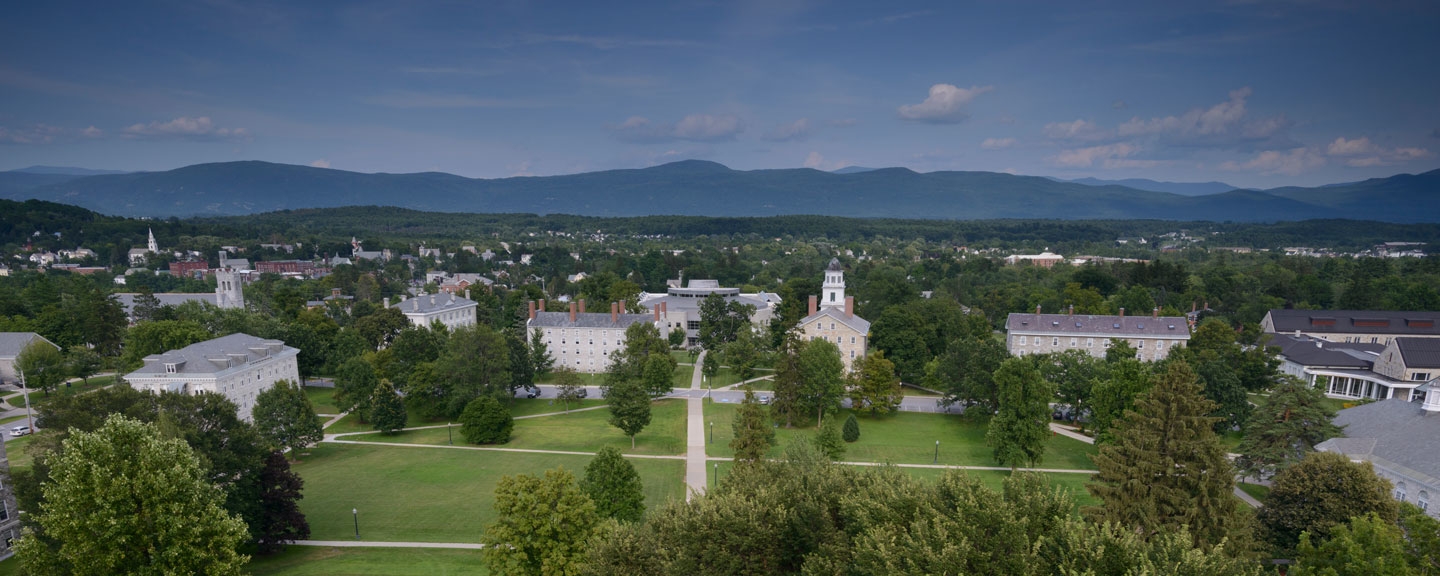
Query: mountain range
pixel 694 187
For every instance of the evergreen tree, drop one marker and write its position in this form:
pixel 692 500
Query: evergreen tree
pixel 284 416
pixel 822 377
pixel 1367 546
pixel 1022 425
pixel 1318 493
pixel 486 421
pixel 613 484
pixel 541 363
pixel 1287 424
pixel 629 408
pixel 1112 396
pixel 1167 469
pixel 543 526
pixel 522 371
pixel 281 520
pixel 753 434
pixel 146 306
pixel 851 433
pixel 787 380
pixel 874 388
pixel 388 409
pixel 1223 387
pixel 827 439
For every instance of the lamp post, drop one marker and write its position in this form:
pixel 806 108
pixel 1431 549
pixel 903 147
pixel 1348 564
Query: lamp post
pixel 451 431
pixel 937 452
pixel 356 513
pixel 717 474
pixel 712 432
pixel 29 414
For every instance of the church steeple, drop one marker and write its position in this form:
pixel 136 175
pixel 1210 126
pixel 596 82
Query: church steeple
pixel 152 245
pixel 833 290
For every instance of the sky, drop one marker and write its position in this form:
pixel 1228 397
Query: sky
pixel 1253 93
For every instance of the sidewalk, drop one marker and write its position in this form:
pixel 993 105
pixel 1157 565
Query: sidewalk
pixel 695 460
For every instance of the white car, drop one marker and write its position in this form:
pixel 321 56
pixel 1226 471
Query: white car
pixel 20 430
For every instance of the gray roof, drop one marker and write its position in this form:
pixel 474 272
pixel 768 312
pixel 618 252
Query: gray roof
pixel 1104 326
pixel 214 356
pixel 1354 322
pixel 431 303
pixel 13 343
pixel 1394 431
pixel 587 320
pixel 674 301
pixel 834 266
pixel 856 323
pixel 1419 352
pixel 127 299
pixel 1307 351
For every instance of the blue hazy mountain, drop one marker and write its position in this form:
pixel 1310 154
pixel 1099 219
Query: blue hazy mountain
pixel 1181 188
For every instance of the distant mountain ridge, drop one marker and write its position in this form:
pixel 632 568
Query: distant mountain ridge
pixel 67 171
pixel 694 187
pixel 1181 188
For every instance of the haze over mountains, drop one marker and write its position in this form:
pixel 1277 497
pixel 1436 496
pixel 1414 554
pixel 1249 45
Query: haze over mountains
pixel 696 187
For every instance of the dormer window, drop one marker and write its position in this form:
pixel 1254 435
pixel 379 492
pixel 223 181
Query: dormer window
pixel 170 368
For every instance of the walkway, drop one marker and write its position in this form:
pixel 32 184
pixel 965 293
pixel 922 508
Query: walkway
pixel 364 544
pixel 695 459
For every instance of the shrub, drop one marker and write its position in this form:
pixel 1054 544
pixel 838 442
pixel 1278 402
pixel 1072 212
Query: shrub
pixel 486 421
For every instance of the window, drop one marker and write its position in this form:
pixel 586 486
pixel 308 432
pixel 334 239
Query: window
pixel 1054 341
pixel 1072 342
pixel 1140 345
pixel 1422 376
pixel 1159 344
pixel 1423 501
pixel 1373 339
pixel 832 296
pixel 692 325
pixel 1022 340
pixel 1089 342
pixel 852 354
pixel 832 325
pixel 852 339
pixel 1400 491
pixel 4 511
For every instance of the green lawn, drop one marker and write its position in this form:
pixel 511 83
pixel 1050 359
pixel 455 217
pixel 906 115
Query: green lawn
pixel 518 407
pixel 38 398
pixel 578 432
pixel 1255 491
pixel 681 379
pixel 432 494
pixel 908 438
pixel 317 561
pixel 682 356
pixel 323 399
pixel 15 451
pixel 683 376
pixel 1231 440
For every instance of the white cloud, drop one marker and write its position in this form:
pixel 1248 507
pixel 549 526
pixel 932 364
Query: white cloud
pixel 695 128
pixel 321 163
pixel 797 130
pixel 944 105
pixel 1217 119
pixel 1288 162
pixel 37 134
pixel 1362 153
pixel 814 160
pixel 185 128
pixel 1080 129
pixel 419 100
pixel 1108 155
pixel 997 143
pixel 92 132
pixel 1344 147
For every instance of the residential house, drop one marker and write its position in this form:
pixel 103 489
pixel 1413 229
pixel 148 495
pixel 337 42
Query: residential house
pixel 11 345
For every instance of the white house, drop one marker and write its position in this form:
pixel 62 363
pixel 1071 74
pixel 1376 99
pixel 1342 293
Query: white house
pixel 11 345
pixel 448 309
pixel 832 317
pixel 583 341
pixel 238 366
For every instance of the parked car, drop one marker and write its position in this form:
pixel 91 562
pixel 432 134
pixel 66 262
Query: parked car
pixel 532 393
pixel 20 430
pixel 764 398
pixel 584 393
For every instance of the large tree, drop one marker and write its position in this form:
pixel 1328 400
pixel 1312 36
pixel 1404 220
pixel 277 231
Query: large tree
pixel 1112 396
pixel 1167 469
pixel 284 416
pixel 1073 374
pixel 788 381
pixel 1367 545
pixel 126 500
pixel 613 484
pixel 543 526
pixel 899 333
pixel 753 435
pixel 486 421
pixel 965 372
pixel 1318 493
pixel 82 363
pixel 721 320
pixel 355 385
pixel 476 362
pixel 1021 426
pixel 42 365
pixel 280 518
pixel 822 377
pixel 568 386
pixel 629 408
pixel 642 341
pixel 874 388
pixel 541 362
pixel 1287 424
pixel 743 354
pixel 388 409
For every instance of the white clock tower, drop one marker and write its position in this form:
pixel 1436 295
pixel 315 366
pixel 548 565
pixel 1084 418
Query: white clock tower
pixel 833 290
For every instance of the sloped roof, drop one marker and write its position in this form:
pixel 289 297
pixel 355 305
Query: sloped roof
pixel 856 323
pixel 1356 322
pixel 1394 430
pixel 834 266
pixel 431 303
pixel 1307 351
pixel 587 320
pixel 208 357
pixel 1102 325
pixel 127 299
pixel 13 343
pixel 1419 352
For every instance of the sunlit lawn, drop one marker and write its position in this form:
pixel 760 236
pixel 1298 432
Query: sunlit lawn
pixel 906 438
pixel 320 561
pixel 323 399
pixel 1255 491
pixel 432 494
pixel 39 398
pixel 587 431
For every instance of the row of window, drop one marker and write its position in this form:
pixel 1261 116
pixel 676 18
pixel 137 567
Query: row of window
pixel 1423 501
pixel 1089 342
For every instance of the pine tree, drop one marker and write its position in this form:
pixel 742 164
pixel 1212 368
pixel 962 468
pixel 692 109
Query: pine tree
pixel 629 408
pixel 1020 427
pixel 827 439
pixel 851 433
pixel 387 411
pixel 613 484
pixel 787 378
pixel 1167 469
pixel 1284 427
pixel 753 434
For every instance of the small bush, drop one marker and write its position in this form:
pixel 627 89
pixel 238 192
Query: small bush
pixel 486 421
pixel 851 432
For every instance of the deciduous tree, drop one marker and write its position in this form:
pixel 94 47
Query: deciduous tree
pixel 281 520
pixel 613 484
pixel 543 526
pixel 284 416
pixel 1367 545
pixel 475 363
pixel 42 365
pixel 355 385
pixel 486 421
pixel 1022 425
pixel 874 388
pixel 822 377
pixel 827 439
pixel 629 408
pixel 1320 492
pixel 82 363
pixel 965 373
pixel 568 386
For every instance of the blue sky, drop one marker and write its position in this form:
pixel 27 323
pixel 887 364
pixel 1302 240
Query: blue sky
pixel 1254 93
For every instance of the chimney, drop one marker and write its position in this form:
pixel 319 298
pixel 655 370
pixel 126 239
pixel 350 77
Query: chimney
pixel 541 306
pixel 656 310
pixel 814 302
pixel 582 305
pixel 432 299
pixel 1192 306
pixel 1072 310
pixel 1037 309
pixel 665 309
pixel 386 301
pixel 572 312
pixel 849 306
pixel 467 293
pixel 1155 313
pixel 532 309
pixel 1122 312
pixel 614 312
pixel 334 291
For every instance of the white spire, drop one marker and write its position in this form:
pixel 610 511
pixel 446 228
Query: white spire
pixel 833 290
pixel 152 245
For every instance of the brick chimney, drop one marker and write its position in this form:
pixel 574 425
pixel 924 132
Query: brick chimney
pixel 665 309
pixel 1037 309
pixel 656 310
pixel 572 312
pixel 1122 312
pixel 849 306
pixel 582 305
pixel 1192 306
pixel 1072 310
pixel 814 302
pixel 541 306
pixel 614 312
pixel 467 293
pixel 532 309
pixel 1155 313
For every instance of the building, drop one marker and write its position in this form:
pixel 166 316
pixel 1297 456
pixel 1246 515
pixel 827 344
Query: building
pixel 139 255
pixel 1390 435
pixel 297 267
pixel 189 268
pixel 448 309
pixel 1152 336
pixel 11 345
pixel 1355 370
pixel 1043 259
pixel 1363 326
pixel 229 293
pixel 583 341
pixel 9 511
pixel 238 366
pixel 681 305
pixel 831 316
pixel 462 282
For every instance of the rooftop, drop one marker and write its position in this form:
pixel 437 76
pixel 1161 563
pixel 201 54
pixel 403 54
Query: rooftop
pixel 1356 322
pixel 587 320
pixel 1391 431
pixel 13 343
pixel 214 356
pixel 837 314
pixel 1118 326
pixel 432 303
pixel 1419 352
pixel 1307 351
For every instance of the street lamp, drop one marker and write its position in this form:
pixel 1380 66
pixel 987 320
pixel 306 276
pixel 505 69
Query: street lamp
pixel 712 432
pixel 450 430
pixel 937 452
pixel 356 513
pixel 717 474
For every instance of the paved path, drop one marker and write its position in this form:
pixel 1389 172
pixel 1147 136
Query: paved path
pixel 365 544
pixel 1246 498
pixel 336 440
pixel 695 460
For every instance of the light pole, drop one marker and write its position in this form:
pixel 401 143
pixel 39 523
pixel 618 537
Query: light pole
pixel 451 431
pixel 937 452
pixel 717 474
pixel 712 432
pixel 356 513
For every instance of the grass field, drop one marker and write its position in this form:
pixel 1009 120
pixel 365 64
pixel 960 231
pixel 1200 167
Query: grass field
pixel 432 494
pixel 518 407
pixel 38 398
pixel 322 399
pixel 681 378
pixel 317 561
pixel 1255 491
pixel 578 432
pixel 907 438
pixel 15 451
